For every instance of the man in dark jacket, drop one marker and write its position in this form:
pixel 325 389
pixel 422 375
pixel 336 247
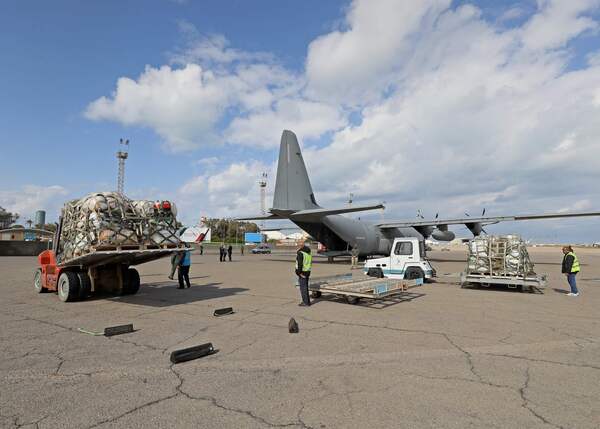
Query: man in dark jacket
pixel 303 268
pixel 570 267
pixel 229 252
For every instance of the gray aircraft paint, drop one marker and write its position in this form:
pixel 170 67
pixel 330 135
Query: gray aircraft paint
pixel 294 200
pixel 293 193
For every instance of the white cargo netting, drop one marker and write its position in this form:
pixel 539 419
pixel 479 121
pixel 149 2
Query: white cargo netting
pixel 499 256
pixel 108 220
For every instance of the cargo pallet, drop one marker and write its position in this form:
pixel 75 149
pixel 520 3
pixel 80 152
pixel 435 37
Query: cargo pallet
pixel 353 290
pixel 104 268
pixel 523 283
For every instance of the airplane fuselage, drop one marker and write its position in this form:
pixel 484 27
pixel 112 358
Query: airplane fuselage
pixel 340 233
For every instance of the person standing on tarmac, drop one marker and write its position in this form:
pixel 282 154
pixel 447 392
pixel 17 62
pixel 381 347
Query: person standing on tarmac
pixel 222 252
pixel 184 269
pixel 229 252
pixel 303 268
pixel 570 267
pixel 175 259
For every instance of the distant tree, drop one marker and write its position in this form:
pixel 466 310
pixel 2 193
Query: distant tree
pixel 7 218
pixel 50 227
pixel 229 230
pixel 17 226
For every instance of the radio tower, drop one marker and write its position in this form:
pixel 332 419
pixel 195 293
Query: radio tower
pixel 262 183
pixel 122 155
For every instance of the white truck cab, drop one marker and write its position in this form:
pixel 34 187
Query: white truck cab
pixel 406 261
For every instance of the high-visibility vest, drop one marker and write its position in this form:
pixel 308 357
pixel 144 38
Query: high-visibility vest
pixel 575 266
pixel 306 262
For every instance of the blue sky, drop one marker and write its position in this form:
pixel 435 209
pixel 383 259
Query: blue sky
pixel 438 105
pixel 59 56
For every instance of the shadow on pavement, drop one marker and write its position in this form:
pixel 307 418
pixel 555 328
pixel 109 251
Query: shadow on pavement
pixel 164 294
pixel 504 288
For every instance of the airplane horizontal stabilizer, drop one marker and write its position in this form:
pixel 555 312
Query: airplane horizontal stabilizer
pixel 482 220
pixel 319 213
pixel 262 217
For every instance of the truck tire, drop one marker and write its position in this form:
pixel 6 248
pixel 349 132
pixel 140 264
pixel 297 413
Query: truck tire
pixel 375 272
pixel 413 273
pixel 68 286
pixel 85 285
pixel 37 281
pixel 132 283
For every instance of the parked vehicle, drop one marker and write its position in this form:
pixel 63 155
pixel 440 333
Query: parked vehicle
pixel 261 249
pixel 406 261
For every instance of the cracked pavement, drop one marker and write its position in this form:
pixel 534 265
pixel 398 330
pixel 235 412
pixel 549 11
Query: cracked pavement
pixel 448 357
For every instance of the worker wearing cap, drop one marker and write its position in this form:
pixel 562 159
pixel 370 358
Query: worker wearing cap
pixel 303 267
pixel 570 267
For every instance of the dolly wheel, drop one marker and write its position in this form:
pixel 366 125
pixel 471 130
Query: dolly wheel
pixel 37 281
pixel 68 286
pixel 315 294
pixel 352 299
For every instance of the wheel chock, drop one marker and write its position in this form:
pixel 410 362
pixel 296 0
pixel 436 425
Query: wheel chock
pixel 191 353
pixel 293 326
pixel 223 311
pixel 85 331
pixel 118 330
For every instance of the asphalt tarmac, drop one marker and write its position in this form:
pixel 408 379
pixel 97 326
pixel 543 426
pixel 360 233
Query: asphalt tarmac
pixel 440 356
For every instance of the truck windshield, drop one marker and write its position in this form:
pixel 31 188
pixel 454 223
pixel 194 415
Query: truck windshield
pixel 403 248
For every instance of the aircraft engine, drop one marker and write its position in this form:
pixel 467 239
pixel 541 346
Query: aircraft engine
pixel 475 228
pixel 443 235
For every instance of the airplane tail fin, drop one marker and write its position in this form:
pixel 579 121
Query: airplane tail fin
pixel 292 186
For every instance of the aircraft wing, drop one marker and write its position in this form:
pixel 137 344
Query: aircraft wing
pixel 480 220
pixel 318 213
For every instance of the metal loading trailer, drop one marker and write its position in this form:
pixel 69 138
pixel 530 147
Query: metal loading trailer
pixel 524 283
pixel 103 270
pixel 353 290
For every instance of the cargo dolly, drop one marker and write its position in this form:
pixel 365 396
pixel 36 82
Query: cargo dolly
pixel 523 283
pixel 355 289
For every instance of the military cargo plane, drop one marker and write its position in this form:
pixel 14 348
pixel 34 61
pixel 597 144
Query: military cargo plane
pixel 294 200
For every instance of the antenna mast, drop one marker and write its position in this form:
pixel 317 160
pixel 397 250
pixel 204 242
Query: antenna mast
pixel 122 155
pixel 262 183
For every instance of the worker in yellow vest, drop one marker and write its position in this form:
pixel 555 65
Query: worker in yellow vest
pixel 570 267
pixel 303 267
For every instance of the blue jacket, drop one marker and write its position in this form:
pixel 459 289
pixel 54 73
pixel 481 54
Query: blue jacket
pixel 186 261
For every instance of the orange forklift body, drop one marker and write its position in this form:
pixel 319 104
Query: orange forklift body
pixel 50 271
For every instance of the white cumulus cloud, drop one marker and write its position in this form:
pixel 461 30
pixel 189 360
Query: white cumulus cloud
pixel 30 198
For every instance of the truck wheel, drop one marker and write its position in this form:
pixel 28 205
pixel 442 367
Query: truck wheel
pixel 375 272
pixel 352 299
pixel 37 281
pixel 68 286
pixel 133 282
pixel 414 273
pixel 85 285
